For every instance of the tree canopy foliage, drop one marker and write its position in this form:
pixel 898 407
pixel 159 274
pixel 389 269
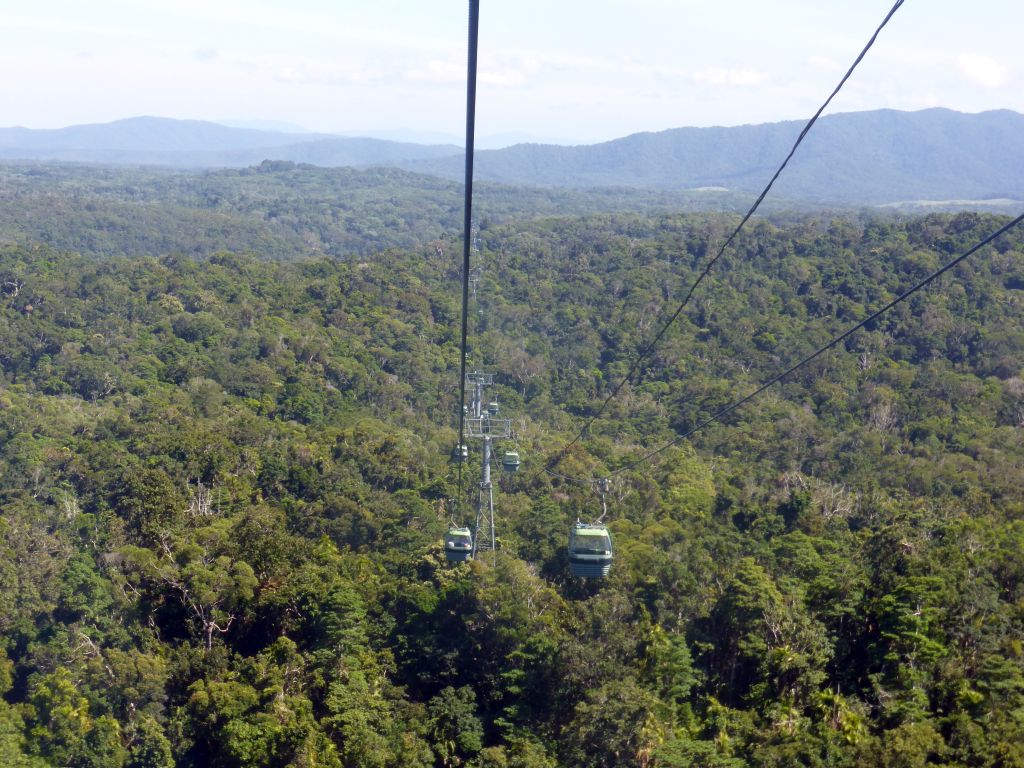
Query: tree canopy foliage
pixel 225 485
pixel 278 209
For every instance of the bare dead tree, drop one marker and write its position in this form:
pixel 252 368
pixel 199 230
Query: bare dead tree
pixel 200 501
pixel 11 288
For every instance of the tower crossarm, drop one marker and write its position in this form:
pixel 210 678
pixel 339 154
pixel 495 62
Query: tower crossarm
pixel 488 426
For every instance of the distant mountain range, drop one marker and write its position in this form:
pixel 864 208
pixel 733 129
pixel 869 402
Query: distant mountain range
pixel 201 144
pixel 877 157
pixel 864 158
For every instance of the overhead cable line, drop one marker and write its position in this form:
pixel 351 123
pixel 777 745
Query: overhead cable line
pixel 474 34
pixel 720 414
pixel 649 348
pixel 571 479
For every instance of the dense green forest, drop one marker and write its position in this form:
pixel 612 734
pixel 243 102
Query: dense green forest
pixel 225 485
pixel 279 210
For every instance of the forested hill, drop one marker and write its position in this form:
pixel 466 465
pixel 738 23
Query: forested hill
pixel 279 210
pixel 863 158
pixel 225 487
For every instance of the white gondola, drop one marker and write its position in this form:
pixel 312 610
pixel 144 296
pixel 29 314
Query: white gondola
pixel 458 545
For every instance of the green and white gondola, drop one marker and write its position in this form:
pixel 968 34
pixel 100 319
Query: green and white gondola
pixel 510 463
pixel 458 545
pixel 590 551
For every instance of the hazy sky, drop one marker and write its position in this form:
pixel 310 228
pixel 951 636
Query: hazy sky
pixel 584 70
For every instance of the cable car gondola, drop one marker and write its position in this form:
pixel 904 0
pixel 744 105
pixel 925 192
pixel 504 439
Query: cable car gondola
pixel 510 462
pixel 458 544
pixel 590 551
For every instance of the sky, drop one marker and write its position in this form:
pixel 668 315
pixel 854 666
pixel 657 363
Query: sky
pixel 576 71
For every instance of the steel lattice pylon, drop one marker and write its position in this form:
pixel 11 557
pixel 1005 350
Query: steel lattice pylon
pixel 484 425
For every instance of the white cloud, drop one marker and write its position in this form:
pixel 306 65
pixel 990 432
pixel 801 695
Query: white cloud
pixel 438 72
pixel 715 76
pixel 505 72
pixel 509 71
pixel 503 78
pixel 315 73
pixel 825 63
pixel 983 70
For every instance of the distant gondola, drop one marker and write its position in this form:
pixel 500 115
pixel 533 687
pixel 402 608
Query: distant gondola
pixel 590 551
pixel 458 544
